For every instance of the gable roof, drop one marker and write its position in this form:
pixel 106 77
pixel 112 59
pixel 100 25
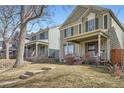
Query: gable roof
pixel 44 30
pixel 76 13
pixel 116 19
pixel 81 9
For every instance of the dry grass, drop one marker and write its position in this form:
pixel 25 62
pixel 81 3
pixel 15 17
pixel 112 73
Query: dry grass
pixel 61 76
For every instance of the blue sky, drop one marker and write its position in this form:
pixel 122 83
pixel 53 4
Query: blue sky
pixel 61 14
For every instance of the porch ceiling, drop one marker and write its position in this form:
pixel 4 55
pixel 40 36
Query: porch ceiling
pixel 36 42
pixel 86 36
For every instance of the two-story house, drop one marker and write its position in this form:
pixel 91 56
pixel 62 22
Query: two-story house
pixel 91 29
pixel 45 42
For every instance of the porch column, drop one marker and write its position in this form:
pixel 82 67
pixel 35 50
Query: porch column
pixel 67 47
pixel 99 45
pixel 36 52
pixel 108 49
pixel 79 49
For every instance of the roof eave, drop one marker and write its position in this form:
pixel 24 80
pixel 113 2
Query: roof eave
pixel 116 19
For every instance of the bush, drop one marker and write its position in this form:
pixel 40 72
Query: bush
pixel 69 59
pixel 89 59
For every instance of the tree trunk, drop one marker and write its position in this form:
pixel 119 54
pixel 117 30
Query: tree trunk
pixel 20 53
pixel 7 49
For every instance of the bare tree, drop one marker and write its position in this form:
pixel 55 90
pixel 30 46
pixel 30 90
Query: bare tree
pixel 27 14
pixel 8 25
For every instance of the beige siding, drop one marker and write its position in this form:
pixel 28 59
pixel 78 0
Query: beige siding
pixel 76 49
pixel 100 17
pixel 116 35
pixel 75 30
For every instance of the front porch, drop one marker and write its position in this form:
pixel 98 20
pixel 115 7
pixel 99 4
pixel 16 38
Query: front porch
pixel 96 43
pixel 36 48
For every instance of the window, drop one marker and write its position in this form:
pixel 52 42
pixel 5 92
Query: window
pixel 105 22
pixel 92 48
pixel 1 43
pixel 34 38
pixel 13 45
pixel 68 32
pixel 96 23
pixel 90 25
pixel 44 35
pixel 69 49
pixel 79 28
pixel 41 36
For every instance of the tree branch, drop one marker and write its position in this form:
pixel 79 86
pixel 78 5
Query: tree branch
pixel 36 16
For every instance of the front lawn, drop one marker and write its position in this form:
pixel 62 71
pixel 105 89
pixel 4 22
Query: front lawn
pixel 60 76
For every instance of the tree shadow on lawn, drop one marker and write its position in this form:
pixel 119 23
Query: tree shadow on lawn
pixel 100 68
pixel 6 70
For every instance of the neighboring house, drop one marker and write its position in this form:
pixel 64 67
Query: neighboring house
pixel 44 43
pixel 91 29
pixel 13 45
pixel 12 49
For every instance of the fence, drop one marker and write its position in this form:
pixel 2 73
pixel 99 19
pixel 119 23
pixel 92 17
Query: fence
pixel 117 56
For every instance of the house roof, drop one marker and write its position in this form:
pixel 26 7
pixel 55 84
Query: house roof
pixel 44 30
pixel 40 31
pixel 76 13
pixel 43 42
pixel 81 9
pixel 116 19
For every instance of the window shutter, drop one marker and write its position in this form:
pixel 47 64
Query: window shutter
pixel 96 23
pixel 105 21
pixel 65 33
pixel 86 26
pixel 79 28
pixel 71 31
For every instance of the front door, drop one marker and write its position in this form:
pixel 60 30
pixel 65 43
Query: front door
pixel 92 48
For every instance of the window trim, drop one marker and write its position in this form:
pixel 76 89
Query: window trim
pixel 67 48
pixel 72 32
pixel 107 20
pixel 78 28
pixel 43 35
pixel 87 25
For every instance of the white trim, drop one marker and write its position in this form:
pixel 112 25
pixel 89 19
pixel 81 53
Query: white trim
pixel 88 41
pixel 84 13
pixel 76 23
pixel 103 21
pixel 99 45
pixel 69 16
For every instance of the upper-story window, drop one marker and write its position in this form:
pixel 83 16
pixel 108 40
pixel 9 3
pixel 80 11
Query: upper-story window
pixel 79 28
pixel 68 32
pixel 14 45
pixel 92 24
pixel 44 35
pixel 105 21
pixel 33 37
pixel 1 43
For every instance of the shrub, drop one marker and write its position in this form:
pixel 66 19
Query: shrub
pixel 117 71
pixel 69 59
